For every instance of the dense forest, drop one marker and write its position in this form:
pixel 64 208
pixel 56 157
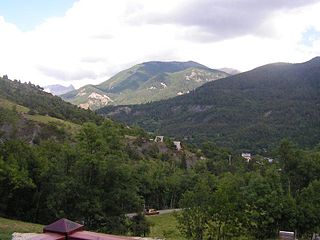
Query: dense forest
pixel 103 170
pixel 250 111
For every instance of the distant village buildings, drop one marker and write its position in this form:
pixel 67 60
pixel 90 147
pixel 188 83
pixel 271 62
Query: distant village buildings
pixel 159 139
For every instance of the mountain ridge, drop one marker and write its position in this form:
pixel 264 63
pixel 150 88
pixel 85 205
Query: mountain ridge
pixel 250 110
pixel 145 82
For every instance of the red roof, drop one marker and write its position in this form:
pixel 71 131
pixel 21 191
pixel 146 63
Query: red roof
pixel 85 235
pixel 48 236
pixel 63 226
pixel 65 229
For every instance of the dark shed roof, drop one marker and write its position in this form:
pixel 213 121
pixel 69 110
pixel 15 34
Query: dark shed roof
pixel 63 226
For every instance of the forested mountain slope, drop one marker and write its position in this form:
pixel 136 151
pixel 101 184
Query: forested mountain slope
pixel 252 110
pixel 43 103
pixel 31 115
pixel 146 82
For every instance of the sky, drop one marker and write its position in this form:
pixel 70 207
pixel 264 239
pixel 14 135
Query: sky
pixel 87 41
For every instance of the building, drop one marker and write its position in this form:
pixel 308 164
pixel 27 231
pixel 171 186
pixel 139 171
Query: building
pixel 159 139
pixel 246 156
pixel 178 145
pixel 65 229
pixel 285 235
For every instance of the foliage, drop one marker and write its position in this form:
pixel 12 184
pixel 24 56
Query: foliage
pixel 255 202
pixel 91 180
pixel 140 226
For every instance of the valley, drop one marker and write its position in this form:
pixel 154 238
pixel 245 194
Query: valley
pixel 159 120
pixel 58 160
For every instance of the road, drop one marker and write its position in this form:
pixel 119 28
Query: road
pixel 164 211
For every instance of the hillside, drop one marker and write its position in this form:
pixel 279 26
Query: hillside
pixel 250 111
pixel 29 114
pixel 50 149
pixel 7 227
pixel 146 82
pixel 43 103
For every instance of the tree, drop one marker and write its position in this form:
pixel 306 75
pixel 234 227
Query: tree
pixel 308 204
pixel 139 225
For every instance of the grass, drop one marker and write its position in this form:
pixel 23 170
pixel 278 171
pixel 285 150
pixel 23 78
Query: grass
pixel 11 105
pixel 165 226
pixel 47 119
pixel 72 127
pixel 7 227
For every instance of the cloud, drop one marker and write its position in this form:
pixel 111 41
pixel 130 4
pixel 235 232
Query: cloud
pixel 77 74
pixel 96 38
pixel 212 20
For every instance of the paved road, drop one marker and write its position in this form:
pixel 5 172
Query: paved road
pixel 164 211
pixel 169 210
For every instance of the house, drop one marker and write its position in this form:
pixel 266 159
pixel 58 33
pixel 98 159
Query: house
pixel 159 139
pixel 65 229
pixel 178 145
pixel 285 235
pixel 246 156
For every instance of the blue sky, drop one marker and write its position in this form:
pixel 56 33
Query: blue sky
pixel 310 36
pixel 27 14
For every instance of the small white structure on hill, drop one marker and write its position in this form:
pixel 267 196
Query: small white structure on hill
pixel 246 156
pixel 158 139
pixel 178 145
pixel 285 235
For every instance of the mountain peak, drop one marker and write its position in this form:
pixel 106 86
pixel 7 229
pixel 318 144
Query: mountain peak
pixel 57 89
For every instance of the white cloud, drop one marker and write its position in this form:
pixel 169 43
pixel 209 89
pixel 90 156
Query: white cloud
pixel 97 38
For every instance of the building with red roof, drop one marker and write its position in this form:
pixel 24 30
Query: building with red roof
pixel 64 229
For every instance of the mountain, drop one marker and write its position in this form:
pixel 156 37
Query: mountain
pixel 58 89
pixel 145 82
pixel 230 71
pixel 253 110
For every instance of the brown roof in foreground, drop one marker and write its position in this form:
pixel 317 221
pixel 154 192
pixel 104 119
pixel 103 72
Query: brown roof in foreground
pixel 85 235
pixel 65 229
pixel 63 226
pixel 48 236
